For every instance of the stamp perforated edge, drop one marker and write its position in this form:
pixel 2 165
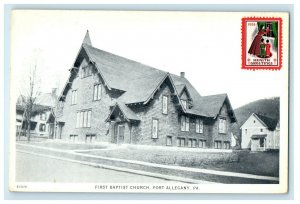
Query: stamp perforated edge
pixel 243 45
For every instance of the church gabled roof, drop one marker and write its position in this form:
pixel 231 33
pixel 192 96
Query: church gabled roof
pixel 139 81
pixel 210 106
pixel 127 112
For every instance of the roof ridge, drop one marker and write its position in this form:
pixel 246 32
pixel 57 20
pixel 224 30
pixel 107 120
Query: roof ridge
pixel 225 94
pixel 127 59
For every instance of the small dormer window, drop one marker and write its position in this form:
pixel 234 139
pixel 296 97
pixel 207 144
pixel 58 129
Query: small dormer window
pixel 253 121
pixel 86 69
pixel 184 103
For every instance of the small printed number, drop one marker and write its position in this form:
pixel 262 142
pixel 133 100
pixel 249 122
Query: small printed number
pixel 251 24
pixel 21 186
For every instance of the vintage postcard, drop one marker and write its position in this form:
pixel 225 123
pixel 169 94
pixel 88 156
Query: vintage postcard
pixel 149 101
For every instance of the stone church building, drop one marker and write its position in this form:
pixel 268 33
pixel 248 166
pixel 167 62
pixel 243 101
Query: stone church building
pixel 108 98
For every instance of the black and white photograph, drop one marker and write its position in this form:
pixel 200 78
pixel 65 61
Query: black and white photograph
pixel 148 101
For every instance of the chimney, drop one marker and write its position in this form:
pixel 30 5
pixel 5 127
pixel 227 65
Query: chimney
pixel 53 93
pixel 182 74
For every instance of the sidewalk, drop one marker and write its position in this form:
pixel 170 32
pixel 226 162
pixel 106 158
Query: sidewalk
pixel 178 173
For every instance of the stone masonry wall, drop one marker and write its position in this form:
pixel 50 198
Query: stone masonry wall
pixel 100 109
pixel 169 125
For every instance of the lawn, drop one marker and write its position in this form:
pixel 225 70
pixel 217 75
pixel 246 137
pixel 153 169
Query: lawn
pixel 259 163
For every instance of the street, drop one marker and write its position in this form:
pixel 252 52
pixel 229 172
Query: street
pixel 33 168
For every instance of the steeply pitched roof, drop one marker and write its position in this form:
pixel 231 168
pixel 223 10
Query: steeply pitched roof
pixel 46 99
pixel 180 87
pixel 210 106
pixel 269 122
pixel 127 112
pixel 139 81
pixel 134 77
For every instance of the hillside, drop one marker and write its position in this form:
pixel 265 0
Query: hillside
pixel 268 107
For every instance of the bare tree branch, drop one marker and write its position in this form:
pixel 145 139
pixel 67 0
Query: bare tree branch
pixel 31 93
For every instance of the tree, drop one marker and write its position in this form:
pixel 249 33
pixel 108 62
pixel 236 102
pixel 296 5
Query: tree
pixel 30 96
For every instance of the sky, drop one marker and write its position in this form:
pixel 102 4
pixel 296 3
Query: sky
pixel 206 46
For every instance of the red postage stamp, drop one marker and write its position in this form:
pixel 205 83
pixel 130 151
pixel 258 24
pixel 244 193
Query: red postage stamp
pixel 261 43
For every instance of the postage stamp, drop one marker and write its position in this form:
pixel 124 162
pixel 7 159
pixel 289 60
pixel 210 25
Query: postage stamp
pixel 261 43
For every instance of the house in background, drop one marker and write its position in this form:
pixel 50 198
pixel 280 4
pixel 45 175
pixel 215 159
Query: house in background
pixel 109 98
pixel 260 133
pixel 42 120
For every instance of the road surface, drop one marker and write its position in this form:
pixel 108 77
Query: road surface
pixel 33 168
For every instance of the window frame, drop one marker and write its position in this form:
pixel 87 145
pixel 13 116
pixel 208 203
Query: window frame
pixel 194 143
pixel 202 143
pixel 86 71
pixel 219 144
pixel 84 118
pixel 73 136
pixel 184 124
pixel 226 144
pixel 199 123
pixel 74 97
pixel 165 104
pixel 184 103
pixel 190 141
pixel 181 139
pixel 89 118
pixel 167 141
pixel 90 136
pixel 85 115
pixel 157 128
pixel 222 126
pixel 97 95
